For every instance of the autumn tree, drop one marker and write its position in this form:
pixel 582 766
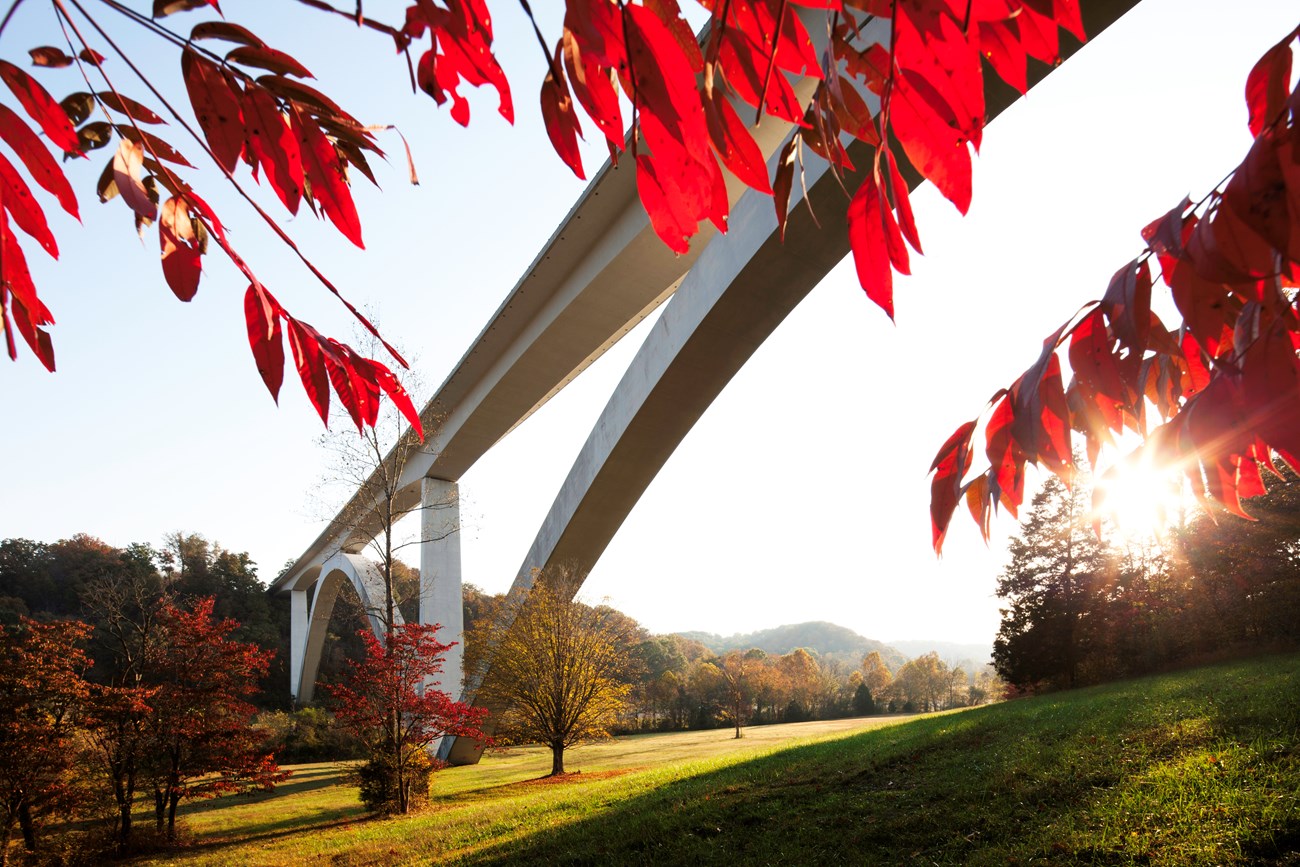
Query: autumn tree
pixel 561 668
pixel 125 606
pixel 395 775
pixel 41 690
pixel 923 682
pixel 733 671
pixel 876 676
pixel 199 722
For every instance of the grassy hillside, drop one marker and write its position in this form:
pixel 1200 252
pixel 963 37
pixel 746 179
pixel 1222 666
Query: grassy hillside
pixel 1199 767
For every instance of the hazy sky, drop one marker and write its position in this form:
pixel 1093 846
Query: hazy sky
pixel 801 494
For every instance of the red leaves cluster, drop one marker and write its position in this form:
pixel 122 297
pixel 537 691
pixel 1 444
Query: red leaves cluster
pixel 251 107
pixel 1225 385
pixel 387 688
pixel 931 85
pixel 41 687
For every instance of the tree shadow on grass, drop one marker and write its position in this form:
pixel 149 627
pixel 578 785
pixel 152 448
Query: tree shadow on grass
pixel 303 780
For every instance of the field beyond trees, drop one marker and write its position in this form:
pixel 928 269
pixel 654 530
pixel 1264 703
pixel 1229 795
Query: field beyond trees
pixel 1197 767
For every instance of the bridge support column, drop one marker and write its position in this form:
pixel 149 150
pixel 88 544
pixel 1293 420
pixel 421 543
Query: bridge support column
pixel 297 640
pixel 440 596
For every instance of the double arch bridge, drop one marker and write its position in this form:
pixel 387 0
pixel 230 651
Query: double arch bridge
pixel 601 272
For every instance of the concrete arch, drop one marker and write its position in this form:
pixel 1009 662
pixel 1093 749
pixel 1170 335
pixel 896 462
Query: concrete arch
pixel 317 605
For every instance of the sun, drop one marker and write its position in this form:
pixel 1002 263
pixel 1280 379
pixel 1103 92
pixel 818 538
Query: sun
pixel 1140 498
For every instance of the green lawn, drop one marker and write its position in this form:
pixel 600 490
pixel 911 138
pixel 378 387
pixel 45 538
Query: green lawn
pixel 1200 767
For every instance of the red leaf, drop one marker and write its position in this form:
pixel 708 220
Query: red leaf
pixel 167 7
pixel 871 246
pixel 1000 45
pixel 593 89
pixel 784 182
pixel 1214 429
pixel 41 107
pixel 949 466
pixel 932 148
pixel 128 107
pixel 37 158
pixel 1268 84
pixel 262 314
pixel 903 203
pixel 1164 235
pixel 16 288
pixel 744 66
pixel 1093 360
pixel 91 56
pixel 309 360
pixel 1203 304
pixel 397 394
pixel 127 163
pixel 1070 17
pixel 274 145
pixel 562 125
pixel 153 145
pixel 671 228
pixel 669 98
pixel 1257 192
pixel 48 55
pixel 1127 305
pixel 998 445
pixel 854 116
pixel 269 59
pixel 733 143
pixel 671 15
pixel 326 173
pixel 980 503
pixel 180 249
pixel 1271 389
pixel 1039 37
pixel 18 200
pixel 227 31
pixel 216 107
pixel 1198 375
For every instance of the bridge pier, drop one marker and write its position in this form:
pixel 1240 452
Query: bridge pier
pixel 440 581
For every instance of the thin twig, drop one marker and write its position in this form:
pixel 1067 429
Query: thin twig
pixel 10 14
pixel 551 62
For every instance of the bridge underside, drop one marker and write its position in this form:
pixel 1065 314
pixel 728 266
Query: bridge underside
pixel 729 297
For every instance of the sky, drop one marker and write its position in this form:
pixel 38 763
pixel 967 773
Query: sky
pixel 800 495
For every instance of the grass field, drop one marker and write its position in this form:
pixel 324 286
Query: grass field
pixel 1199 767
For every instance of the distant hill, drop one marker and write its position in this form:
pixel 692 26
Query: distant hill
pixel 827 639
pixel 966 655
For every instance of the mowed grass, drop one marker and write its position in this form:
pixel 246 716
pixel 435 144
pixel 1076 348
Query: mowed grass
pixel 1198 767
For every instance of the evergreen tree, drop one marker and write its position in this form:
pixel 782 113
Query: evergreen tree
pixel 1056 561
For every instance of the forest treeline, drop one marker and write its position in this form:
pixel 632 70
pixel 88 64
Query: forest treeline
pixel 1084 607
pixel 676 682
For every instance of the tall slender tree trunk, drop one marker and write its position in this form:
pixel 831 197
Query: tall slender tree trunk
pixel 5 837
pixel 557 759
pixel 173 799
pixel 25 822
